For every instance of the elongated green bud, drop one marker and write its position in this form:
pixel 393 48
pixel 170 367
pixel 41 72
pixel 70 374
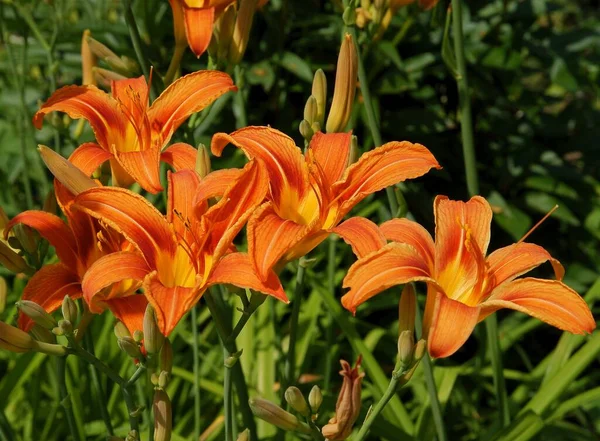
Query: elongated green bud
pixel 161 407
pixel 11 260
pixel 42 334
pixel 3 294
pixel 166 357
pixel 241 33
pixel 123 64
pixel 315 398
pixel 244 436
pixel 272 413
pixel 14 340
pixel 203 166
pixel 345 87
pixel 129 346
pixel 306 130
pixel 407 309
pixel 138 336
pixel 70 176
pixel 153 338
pixel 69 309
pixel 121 330
pixel 310 110
pixel 27 237
pixel 406 346
pixel 420 349
pixel 36 313
pixel 296 400
pixel 319 91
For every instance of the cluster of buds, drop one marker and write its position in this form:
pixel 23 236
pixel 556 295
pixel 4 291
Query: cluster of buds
pixel 309 408
pixel 343 94
pixel 45 324
pixel 376 15
pixel 409 353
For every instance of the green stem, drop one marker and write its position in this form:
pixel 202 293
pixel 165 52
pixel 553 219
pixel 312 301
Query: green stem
pixel 228 399
pixel 98 387
pixel 466 120
pixel 240 105
pixel 314 430
pixel 434 402
pixel 6 432
pixel 491 326
pixel 371 118
pixel 391 390
pixel 174 65
pixel 61 368
pixel 290 367
pixel 196 363
pixel 224 329
pixel 136 375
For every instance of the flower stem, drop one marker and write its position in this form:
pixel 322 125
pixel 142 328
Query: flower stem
pixel 290 366
pixel 174 65
pixel 61 368
pixel 224 329
pixel 196 362
pixel 228 399
pixel 331 267
pixel 240 105
pixel 391 390
pixel 466 129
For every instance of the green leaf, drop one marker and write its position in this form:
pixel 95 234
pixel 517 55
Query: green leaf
pixel 297 66
pixel 543 203
pixel 522 429
pixel 511 219
pixel 560 75
pixel 448 54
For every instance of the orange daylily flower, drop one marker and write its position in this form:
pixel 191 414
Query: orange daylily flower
pixel 464 286
pixel 78 244
pixel 131 131
pixel 310 194
pixel 186 251
pixel 194 20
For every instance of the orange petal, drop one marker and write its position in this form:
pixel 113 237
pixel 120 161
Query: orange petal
pixel 508 263
pixel 386 165
pixel 180 156
pixel 170 303
pixel 88 157
pixel 132 95
pixel 54 230
pixel 198 28
pixel 394 264
pixel 133 216
pixel 288 171
pixel 412 233
pixel 109 270
pixel 331 152
pixel 237 269
pixel 452 323
pixel 180 207
pixel 216 183
pixel 129 310
pixel 548 300
pixel 271 237
pixel 229 215
pixel 143 166
pixel 362 235
pixel 189 94
pixel 462 235
pixel 48 287
pixel 90 103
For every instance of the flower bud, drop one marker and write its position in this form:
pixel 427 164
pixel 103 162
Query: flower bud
pixel 133 435
pixel 233 359
pixel 178 23
pixel 272 413
pixel 121 330
pixel 296 400
pixel 319 91
pixel 345 87
pixel 129 346
pixel 14 340
pixel 3 294
pixel 105 77
pixel 3 219
pixel 407 309
pixel 138 336
pixel 349 16
pixel 406 346
pixel 420 349
pixel 163 379
pixel 70 176
pixel 347 407
pixel 88 60
pixel 42 334
pixel 225 26
pixel 66 327
pixel 244 436
pixel 203 166
pixel 305 130
pixel 27 237
pixel 120 64
pixel 354 152
pixel 315 398
pixel 166 357
pixel 241 33
pixel 310 110
pixel 36 313
pixel 69 309
pixel 11 260
pixel 161 407
pixel 153 338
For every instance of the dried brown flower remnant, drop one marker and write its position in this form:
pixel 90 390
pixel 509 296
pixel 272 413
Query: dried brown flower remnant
pixel 347 407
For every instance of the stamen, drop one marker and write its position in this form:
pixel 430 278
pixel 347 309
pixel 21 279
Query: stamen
pixel 532 229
